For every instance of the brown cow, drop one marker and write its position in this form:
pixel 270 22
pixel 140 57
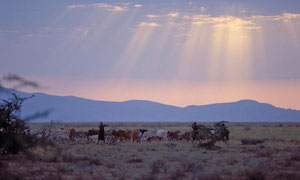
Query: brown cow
pixel 173 135
pixel 155 138
pixel 135 136
pixel 127 135
pixel 185 136
pixel 72 134
pixel 121 135
pixel 91 132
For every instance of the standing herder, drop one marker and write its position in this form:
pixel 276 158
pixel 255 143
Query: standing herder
pixel 101 132
pixel 194 127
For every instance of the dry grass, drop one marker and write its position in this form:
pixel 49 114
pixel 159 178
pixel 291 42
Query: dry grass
pixel 277 158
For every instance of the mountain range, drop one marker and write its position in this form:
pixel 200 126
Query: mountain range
pixel 76 109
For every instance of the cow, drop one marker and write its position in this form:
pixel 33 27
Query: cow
pixel 80 134
pixel 185 135
pixel 135 136
pixel 142 131
pixel 150 133
pixel 173 135
pixel 212 135
pixel 72 134
pixel 222 134
pixel 91 132
pixel 202 134
pixel 121 135
pixel 155 138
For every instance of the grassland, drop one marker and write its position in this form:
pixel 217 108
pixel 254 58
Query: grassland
pixel 277 158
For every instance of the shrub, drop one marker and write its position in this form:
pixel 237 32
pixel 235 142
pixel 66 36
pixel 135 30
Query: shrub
pixel 156 166
pixel 14 132
pixel 255 175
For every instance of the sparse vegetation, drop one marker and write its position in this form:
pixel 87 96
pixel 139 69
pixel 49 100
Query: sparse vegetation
pixel 162 160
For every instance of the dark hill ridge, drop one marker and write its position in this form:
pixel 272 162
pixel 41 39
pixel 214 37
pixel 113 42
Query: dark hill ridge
pixel 75 109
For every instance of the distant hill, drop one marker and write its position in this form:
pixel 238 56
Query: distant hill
pixel 75 109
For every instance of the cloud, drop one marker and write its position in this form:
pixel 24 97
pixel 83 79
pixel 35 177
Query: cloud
pixel 173 14
pixel 251 23
pixel 138 5
pixel 202 9
pixel 105 6
pixel 265 18
pixel 283 17
pixel 145 24
pixel 291 16
pixel 232 22
pixel 152 16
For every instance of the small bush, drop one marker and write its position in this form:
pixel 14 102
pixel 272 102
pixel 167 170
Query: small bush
pixel 247 128
pixel 286 176
pixel 249 141
pixel 295 156
pixel 254 175
pixel 177 174
pixel 134 161
pixel 156 166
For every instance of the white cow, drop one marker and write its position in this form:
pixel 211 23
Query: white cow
pixel 151 133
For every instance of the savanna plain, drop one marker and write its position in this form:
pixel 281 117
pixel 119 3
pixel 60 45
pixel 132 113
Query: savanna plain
pixel 277 156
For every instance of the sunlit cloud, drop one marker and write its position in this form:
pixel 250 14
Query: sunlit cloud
pixel 224 21
pixel 234 23
pixel 173 14
pixel 265 18
pixel 152 16
pixel 138 5
pixel 291 16
pixel 105 6
pixel 145 24
pixel 283 17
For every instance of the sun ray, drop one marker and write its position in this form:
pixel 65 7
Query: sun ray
pixel 86 34
pixel 134 49
pixel 231 49
pixel 193 46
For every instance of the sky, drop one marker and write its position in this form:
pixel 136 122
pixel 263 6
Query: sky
pixel 178 52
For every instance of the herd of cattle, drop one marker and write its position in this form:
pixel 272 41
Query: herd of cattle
pixel 140 135
pixel 198 133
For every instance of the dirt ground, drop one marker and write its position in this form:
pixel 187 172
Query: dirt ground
pixel 277 158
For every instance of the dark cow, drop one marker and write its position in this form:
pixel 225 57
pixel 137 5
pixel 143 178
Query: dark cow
pixel 135 136
pixel 72 134
pixel 143 131
pixel 202 134
pixel 222 134
pixel 211 134
pixel 155 138
pixel 121 135
pixel 185 136
pixel 173 135
pixel 91 132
